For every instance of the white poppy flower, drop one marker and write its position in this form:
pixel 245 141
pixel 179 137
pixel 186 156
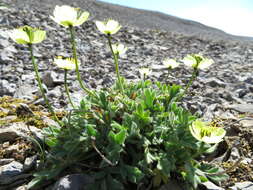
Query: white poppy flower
pixel 197 61
pixel 170 63
pixel 27 35
pixel 119 49
pixel 144 72
pixel 208 134
pixel 69 16
pixel 108 27
pixel 65 63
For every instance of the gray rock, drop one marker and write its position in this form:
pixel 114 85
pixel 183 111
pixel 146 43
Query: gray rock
pixel 25 91
pixel 247 123
pixel 242 108
pixel 24 110
pixel 247 185
pixel 30 162
pixel 50 79
pixel 6 161
pixel 235 154
pixel 211 186
pixel 49 121
pixel 10 131
pixel 7 88
pixel 10 171
pixel 214 82
pixel 73 182
pixel 249 80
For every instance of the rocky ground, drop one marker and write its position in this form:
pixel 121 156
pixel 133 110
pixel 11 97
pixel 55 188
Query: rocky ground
pixel 223 94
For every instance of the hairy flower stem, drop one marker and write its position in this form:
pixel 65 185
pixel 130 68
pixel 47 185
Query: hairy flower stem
pixel 116 62
pixel 193 77
pixel 35 67
pixel 66 88
pixel 73 42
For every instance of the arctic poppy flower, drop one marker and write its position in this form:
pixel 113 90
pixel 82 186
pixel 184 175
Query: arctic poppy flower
pixel 27 35
pixel 69 16
pixel 108 27
pixel 205 133
pixel 197 61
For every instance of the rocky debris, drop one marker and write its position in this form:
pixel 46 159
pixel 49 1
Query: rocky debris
pixel 50 79
pixel 30 163
pixel 7 88
pixel 247 185
pixel 242 108
pixel 247 123
pixel 19 129
pixel 6 161
pixel 25 91
pixel 211 186
pixel 24 110
pixel 73 181
pixel 10 172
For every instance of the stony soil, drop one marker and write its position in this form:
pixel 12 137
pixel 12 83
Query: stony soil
pixel 223 94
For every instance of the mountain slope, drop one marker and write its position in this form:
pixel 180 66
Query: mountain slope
pixel 141 19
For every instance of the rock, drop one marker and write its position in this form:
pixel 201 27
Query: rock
pixel 30 162
pixel 211 186
pixel 25 91
pixel 10 131
pixel 235 154
pixel 6 161
pixel 242 108
pixel 10 171
pixel 214 82
pixel 73 182
pixel 247 185
pixel 248 123
pixel 24 110
pixel 49 121
pixel 249 80
pixel 7 88
pixel 50 79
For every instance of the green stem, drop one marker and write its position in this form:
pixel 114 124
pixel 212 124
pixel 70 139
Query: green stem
pixel 66 88
pixel 193 77
pixel 73 42
pixel 116 62
pixel 35 67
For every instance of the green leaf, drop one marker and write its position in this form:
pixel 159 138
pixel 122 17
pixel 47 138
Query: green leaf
pixel 218 178
pixel 91 130
pixel 35 182
pixel 120 137
pixel 134 174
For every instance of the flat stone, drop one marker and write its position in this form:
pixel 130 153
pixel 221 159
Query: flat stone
pixel 247 123
pixel 9 171
pixel 214 82
pixel 6 161
pixel 25 91
pixel 211 186
pixel 73 182
pixel 19 129
pixel 30 162
pixel 242 108
pixel 50 79
pixel 247 185
pixel 7 88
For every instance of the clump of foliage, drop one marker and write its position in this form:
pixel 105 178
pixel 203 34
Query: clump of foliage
pixel 129 136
